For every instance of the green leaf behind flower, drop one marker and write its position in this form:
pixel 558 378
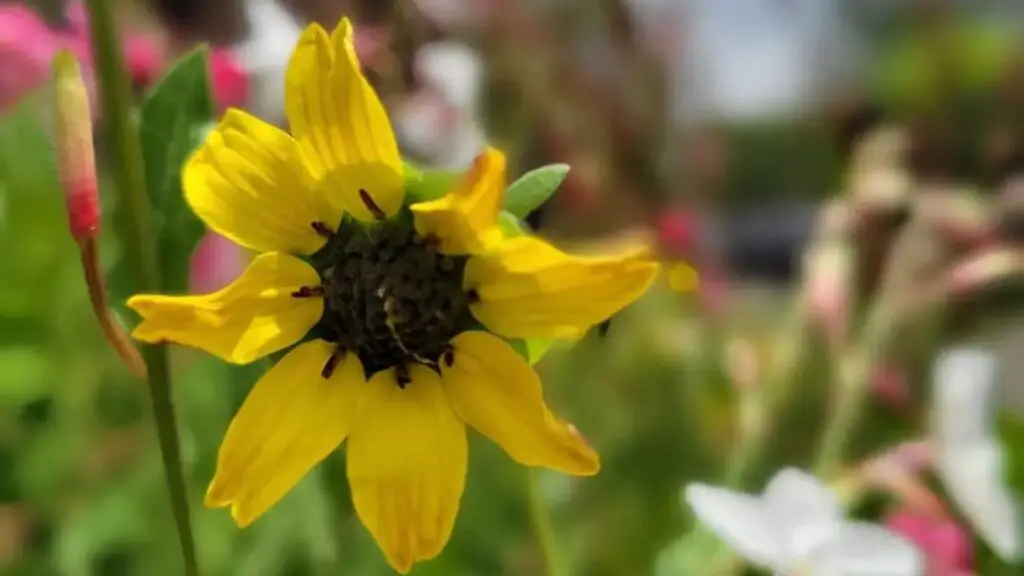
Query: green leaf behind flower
pixel 422 184
pixel 534 188
pixel 175 118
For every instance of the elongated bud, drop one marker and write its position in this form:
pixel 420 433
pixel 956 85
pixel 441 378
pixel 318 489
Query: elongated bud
pixel 961 215
pixel 77 170
pixel 829 288
pixel 73 140
pixel 984 268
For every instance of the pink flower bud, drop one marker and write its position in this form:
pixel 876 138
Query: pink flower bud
pixel 829 273
pixel 73 141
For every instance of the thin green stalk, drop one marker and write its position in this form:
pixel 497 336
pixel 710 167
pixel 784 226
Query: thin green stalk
pixel 554 564
pixel 132 223
pixel 777 390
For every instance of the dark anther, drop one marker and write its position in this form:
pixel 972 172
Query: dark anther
pixel 431 240
pixel 331 365
pixel 449 356
pixel 473 295
pixel 402 376
pixel 371 205
pixel 308 292
pixel 322 229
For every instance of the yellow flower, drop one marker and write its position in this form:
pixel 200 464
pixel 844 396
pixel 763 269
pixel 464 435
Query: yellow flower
pixel 400 314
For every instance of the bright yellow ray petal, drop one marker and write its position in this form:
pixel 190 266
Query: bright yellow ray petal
pixel 248 182
pixel 341 125
pixel 291 420
pixel 407 460
pixel 493 389
pixel 465 219
pixel 526 288
pixel 253 316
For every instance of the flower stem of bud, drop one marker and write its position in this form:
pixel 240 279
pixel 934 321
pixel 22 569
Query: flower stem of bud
pixel 77 169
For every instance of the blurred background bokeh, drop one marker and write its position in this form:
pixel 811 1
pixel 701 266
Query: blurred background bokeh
pixel 729 128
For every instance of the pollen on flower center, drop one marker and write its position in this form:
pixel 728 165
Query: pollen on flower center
pixel 390 296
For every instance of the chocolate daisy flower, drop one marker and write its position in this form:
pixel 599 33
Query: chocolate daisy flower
pixel 397 314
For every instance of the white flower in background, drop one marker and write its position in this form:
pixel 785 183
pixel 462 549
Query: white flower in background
pixel 264 54
pixel 456 13
pixel 968 456
pixel 439 123
pixel 797 528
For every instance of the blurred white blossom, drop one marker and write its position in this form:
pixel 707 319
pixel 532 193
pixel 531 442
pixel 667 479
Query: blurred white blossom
pixel 264 55
pixel 440 123
pixel 969 457
pixel 797 528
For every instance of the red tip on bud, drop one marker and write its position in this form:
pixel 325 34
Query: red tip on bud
pixel 73 140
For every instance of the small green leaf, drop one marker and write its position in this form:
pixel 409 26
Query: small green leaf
pixel 176 116
pixel 511 226
pixel 424 184
pixel 534 188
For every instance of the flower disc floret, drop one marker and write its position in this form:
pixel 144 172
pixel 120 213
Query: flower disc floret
pixel 390 295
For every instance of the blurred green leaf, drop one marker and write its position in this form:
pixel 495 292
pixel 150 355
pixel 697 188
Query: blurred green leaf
pixel 28 375
pixel 534 188
pixel 424 184
pixel 176 117
pixel 1010 430
pixel 511 226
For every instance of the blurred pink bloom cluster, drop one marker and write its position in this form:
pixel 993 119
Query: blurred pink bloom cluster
pixel 921 517
pixel 27 46
pixel 945 544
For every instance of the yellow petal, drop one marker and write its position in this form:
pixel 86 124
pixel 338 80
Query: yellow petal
pixel 247 319
pixel 465 219
pixel 526 288
pixel 407 466
pixel 681 277
pixel 291 420
pixel 248 182
pixel 493 389
pixel 341 125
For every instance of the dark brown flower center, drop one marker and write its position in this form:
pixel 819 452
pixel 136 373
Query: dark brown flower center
pixel 389 295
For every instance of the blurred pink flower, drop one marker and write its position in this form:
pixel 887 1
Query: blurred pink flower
pixel 944 543
pixel 216 262
pixel 229 80
pixel 27 46
pixel 676 232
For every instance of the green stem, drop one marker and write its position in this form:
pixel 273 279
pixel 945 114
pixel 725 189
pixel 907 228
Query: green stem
pixel 777 390
pixel 132 222
pixel 543 528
